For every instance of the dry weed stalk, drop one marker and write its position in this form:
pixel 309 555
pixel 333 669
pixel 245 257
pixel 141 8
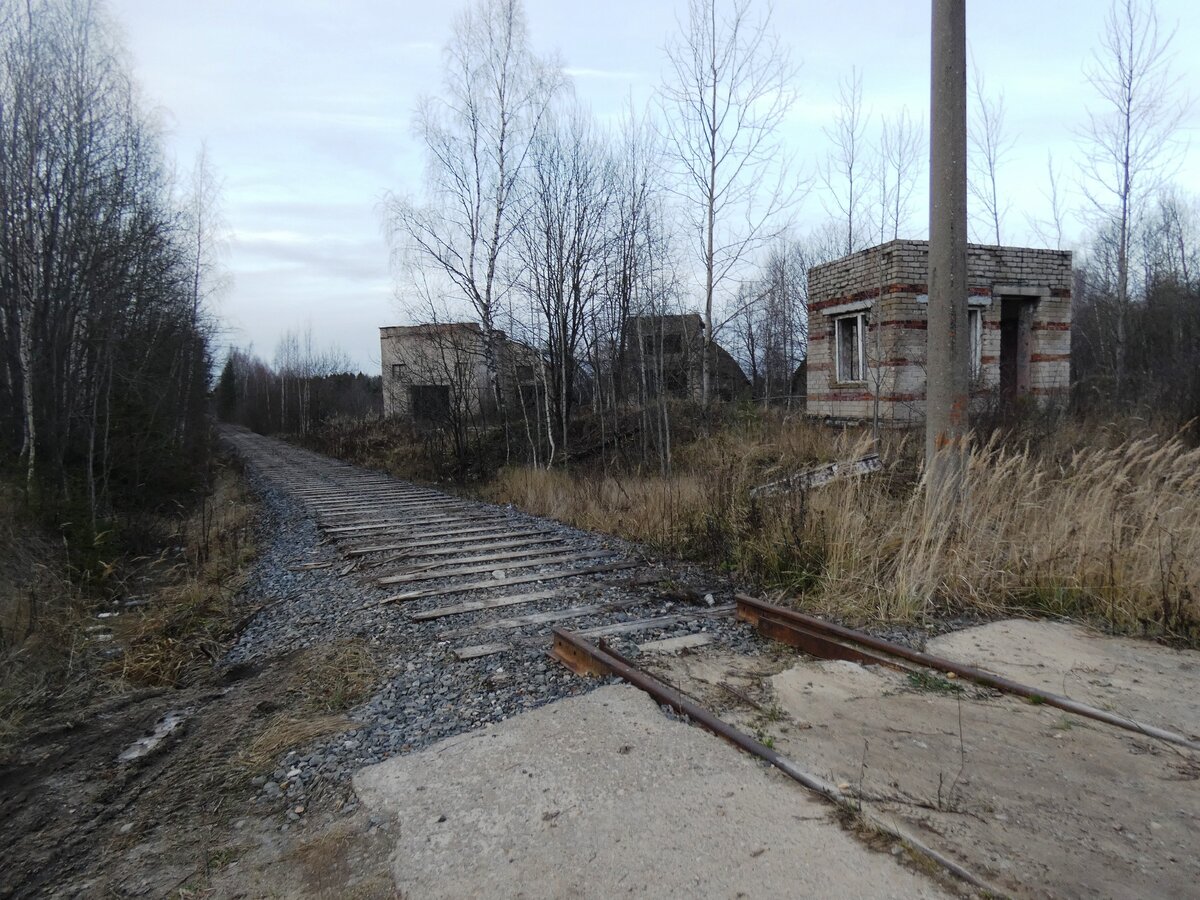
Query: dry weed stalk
pixel 1110 531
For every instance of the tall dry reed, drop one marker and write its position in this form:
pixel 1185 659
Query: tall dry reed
pixel 1110 532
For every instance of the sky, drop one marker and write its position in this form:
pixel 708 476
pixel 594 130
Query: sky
pixel 306 109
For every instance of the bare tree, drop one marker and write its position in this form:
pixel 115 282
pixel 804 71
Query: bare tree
pixel 1129 138
pixel 1051 230
pixel 563 248
pixel 477 139
pixel 205 231
pixel 989 143
pixel 1171 240
pixel 728 89
pixel 105 354
pixel 772 321
pixel 638 238
pixel 847 169
pixel 901 154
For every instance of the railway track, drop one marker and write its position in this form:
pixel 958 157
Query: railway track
pixel 492 584
pixel 493 579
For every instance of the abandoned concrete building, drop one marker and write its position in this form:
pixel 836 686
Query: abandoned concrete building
pixel 434 372
pixel 867 329
pixel 666 352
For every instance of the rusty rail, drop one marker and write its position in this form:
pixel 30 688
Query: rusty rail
pixel 585 658
pixel 831 641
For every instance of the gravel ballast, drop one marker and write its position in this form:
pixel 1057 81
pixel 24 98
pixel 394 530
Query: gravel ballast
pixel 426 694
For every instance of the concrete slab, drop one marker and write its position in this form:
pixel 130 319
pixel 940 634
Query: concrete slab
pixel 602 795
pixel 1155 684
pixel 1034 800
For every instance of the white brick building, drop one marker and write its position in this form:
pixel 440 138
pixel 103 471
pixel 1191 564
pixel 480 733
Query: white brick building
pixel 867 329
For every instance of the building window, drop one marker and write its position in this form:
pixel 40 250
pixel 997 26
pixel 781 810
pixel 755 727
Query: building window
pixel 429 403
pixel 652 344
pixel 850 341
pixel 975 340
pixel 532 398
pixel 399 371
pixel 676 381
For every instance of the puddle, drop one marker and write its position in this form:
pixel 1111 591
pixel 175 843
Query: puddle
pixel 164 727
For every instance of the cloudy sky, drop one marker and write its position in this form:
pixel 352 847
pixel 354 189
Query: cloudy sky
pixel 306 107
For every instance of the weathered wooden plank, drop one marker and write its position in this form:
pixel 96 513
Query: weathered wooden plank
pixel 542 618
pixel 821 475
pixel 460 534
pixel 475 652
pixel 370 503
pixel 442 612
pixel 548 559
pixel 658 622
pixel 536 549
pixel 382 513
pixel 426 548
pixel 377 506
pixel 357 499
pixel 410 523
pixel 521 579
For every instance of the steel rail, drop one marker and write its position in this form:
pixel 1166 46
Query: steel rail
pixel 755 611
pixel 585 658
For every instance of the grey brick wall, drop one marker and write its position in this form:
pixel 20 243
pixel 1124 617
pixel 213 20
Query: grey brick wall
pixel 892 278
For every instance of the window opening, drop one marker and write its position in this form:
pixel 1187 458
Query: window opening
pixel 851 345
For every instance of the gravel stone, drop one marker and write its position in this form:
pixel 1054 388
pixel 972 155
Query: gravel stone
pixel 425 694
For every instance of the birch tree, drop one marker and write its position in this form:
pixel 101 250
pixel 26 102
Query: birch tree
pixel 847 169
pixel 901 155
pixel 476 135
pixel 729 87
pixel 105 358
pixel 564 247
pixel 1129 139
pixel 988 144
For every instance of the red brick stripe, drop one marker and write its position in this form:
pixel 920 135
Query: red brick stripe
pixel 868 294
pixel 844 396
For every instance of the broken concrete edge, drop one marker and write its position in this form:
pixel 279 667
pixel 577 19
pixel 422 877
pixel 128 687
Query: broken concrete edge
pixel 799 629
pixel 585 658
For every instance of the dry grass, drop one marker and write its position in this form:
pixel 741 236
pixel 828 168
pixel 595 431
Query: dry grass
pixel 335 678
pixel 42 619
pixel 53 650
pixel 326 682
pixel 285 732
pixel 191 616
pixel 1109 532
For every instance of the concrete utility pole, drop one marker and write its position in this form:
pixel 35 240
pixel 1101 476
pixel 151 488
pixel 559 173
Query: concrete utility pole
pixel 947 389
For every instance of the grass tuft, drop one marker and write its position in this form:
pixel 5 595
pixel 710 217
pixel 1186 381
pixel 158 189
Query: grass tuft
pixel 1095 524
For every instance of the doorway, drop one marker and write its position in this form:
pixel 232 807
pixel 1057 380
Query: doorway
pixel 1016 339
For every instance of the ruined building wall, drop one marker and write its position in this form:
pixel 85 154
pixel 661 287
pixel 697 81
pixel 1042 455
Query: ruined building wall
pixel 450 356
pixel 888 286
